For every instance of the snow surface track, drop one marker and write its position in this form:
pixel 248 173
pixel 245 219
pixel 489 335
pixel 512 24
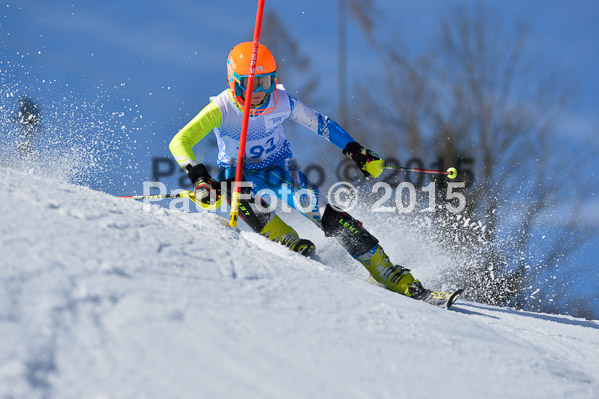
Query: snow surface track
pixel 103 297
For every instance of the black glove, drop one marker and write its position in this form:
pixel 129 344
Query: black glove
pixel 369 162
pixel 206 188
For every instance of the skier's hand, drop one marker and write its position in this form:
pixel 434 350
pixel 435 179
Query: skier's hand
pixel 369 162
pixel 206 189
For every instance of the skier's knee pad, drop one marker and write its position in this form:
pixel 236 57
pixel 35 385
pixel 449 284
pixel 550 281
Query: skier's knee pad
pixel 348 231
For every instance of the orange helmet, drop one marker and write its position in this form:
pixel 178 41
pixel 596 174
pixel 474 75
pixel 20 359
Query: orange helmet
pixel 238 71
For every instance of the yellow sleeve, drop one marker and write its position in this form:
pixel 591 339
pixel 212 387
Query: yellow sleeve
pixel 181 145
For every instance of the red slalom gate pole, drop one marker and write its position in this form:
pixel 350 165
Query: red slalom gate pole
pixel 246 117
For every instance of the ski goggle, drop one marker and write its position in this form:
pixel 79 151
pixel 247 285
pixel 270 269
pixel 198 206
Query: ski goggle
pixel 265 82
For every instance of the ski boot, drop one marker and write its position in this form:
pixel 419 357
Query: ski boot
pixel 394 277
pixel 278 231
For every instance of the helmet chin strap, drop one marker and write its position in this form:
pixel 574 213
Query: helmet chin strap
pixel 240 100
pixel 264 101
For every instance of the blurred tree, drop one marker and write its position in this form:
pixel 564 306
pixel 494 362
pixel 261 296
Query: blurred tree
pixel 364 11
pixel 483 102
pixel 294 68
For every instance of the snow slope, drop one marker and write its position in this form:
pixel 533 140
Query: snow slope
pixel 103 297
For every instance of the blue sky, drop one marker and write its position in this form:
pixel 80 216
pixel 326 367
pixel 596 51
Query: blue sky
pixel 155 63
pixel 151 44
pixel 170 56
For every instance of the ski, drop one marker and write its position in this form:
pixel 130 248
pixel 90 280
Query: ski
pixel 441 299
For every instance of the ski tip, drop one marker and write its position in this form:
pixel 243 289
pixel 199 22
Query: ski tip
pixel 454 297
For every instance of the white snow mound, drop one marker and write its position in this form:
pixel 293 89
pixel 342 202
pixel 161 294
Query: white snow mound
pixel 102 297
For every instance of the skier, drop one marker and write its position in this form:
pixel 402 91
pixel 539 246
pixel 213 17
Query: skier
pixel 269 164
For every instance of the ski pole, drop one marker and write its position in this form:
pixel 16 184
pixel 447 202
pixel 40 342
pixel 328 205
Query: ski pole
pixel 451 173
pixel 182 194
